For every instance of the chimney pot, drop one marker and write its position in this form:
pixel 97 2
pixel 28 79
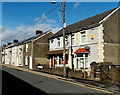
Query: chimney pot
pixel 39 32
pixel 15 41
pixel 9 43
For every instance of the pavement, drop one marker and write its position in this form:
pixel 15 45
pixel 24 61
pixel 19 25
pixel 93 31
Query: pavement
pixel 42 83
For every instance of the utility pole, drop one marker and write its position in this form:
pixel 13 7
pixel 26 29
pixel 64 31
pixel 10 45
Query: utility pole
pixel 64 26
pixel 72 52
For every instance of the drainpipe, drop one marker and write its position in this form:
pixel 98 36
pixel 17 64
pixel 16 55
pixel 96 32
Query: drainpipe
pixel 71 53
pixel 84 64
pixel 32 53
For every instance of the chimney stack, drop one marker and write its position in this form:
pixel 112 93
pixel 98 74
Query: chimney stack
pixel 9 44
pixel 39 32
pixel 15 41
pixel 4 45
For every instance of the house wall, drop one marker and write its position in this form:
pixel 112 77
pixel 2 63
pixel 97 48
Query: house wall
pixel 15 56
pixel 111 38
pixel 96 45
pixel 27 54
pixel 54 44
pixel 3 56
pixel 40 48
pixel 8 55
pixel 20 55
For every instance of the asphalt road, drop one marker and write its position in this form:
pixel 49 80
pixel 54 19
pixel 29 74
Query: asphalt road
pixel 20 82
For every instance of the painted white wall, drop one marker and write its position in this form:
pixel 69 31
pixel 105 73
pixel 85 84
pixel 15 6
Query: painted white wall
pixel 8 55
pixel 15 56
pixel 54 45
pixel 20 55
pixel 95 44
pixel 3 56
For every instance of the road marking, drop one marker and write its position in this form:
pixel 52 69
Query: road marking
pixel 52 76
pixel 84 86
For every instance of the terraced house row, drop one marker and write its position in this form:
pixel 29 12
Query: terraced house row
pixel 95 39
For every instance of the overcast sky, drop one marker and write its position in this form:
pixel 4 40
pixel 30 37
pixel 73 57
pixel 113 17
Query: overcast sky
pixel 17 16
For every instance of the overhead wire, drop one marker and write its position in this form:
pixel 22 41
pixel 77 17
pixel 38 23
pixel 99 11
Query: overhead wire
pixel 32 23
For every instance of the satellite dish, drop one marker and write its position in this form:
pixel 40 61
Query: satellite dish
pixel 87 47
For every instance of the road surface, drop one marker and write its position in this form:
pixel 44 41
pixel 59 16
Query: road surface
pixel 17 81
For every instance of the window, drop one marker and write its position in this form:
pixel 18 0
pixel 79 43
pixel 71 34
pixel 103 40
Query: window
pixel 66 40
pixel 72 40
pixel 52 40
pixel 20 49
pixel 80 61
pixel 83 37
pixel 26 60
pixel 58 43
pixel 26 47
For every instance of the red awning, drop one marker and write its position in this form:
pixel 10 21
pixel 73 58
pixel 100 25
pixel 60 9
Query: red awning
pixel 82 50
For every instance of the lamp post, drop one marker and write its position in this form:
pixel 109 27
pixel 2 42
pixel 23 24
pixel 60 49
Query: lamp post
pixel 64 26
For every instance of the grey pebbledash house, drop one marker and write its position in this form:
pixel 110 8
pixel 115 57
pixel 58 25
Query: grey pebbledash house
pixel 95 39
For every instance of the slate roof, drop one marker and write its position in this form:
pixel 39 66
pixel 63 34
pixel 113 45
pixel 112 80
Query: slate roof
pixel 84 24
pixel 32 38
pixel 27 40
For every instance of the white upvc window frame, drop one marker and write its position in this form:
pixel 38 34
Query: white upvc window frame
pixel 73 40
pixel 58 42
pixel 85 62
pixel 26 60
pixel 83 35
pixel 66 41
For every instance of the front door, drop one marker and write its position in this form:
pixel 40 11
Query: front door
pixel 30 65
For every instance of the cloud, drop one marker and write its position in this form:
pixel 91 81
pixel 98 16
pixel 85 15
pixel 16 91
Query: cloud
pixel 7 34
pixel 22 33
pixel 44 16
pixel 51 21
pixel 76 4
